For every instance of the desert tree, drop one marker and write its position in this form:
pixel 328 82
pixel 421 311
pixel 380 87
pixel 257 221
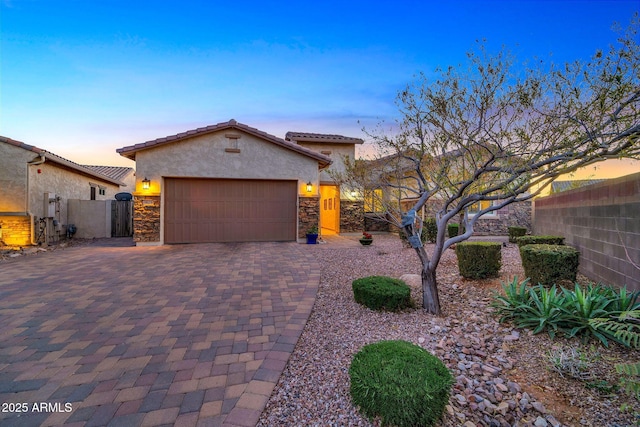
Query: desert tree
pixel 487 134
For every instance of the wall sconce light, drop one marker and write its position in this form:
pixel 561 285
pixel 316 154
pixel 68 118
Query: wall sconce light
pixel 309 187
pixel 146 184
pixel 354 193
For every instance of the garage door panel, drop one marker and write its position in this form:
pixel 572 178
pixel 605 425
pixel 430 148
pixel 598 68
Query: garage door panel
pixel 216 210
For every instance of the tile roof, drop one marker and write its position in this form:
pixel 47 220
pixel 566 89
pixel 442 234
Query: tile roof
pixel 115 172
pixel 130 151
pixel 61 160
pixel 21 144
pixel 321 137
pixel 560 186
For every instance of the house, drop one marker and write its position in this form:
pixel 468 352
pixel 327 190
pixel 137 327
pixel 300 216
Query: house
pixel 123 174
pixel 393 189
pixel 339 213
pixel 36 187
pixel 560 186
pixel 230 182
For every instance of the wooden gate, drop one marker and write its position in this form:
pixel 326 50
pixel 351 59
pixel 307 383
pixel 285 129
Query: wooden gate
pixel 121 218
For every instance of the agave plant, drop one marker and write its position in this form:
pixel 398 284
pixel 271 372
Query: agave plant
pixel 516 297
pixel 603 312
pixel 544 310
pixel 582 305
pixel 623 301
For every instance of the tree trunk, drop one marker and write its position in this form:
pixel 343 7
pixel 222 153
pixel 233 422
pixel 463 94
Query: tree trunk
pixel 430 299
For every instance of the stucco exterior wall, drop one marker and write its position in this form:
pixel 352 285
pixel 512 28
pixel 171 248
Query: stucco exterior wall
pixel 22 189
pixel 213 156
pixel 338 151
pixel 603 222
pixel 216 156
pixel 65 184
pixel 129 182
pixel 92 218
pixel 13 178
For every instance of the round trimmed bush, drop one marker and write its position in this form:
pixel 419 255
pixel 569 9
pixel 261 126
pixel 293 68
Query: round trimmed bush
pixel 479 260
pixel 399 382
pixel 382 293
pixel 550 264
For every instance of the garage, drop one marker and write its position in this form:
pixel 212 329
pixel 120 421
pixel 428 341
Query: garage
pixel 200 210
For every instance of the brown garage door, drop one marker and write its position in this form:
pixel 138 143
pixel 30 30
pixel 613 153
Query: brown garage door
pixel 224 210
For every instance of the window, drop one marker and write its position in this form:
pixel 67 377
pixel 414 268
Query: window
pixel 102 191
pixel 478 206
pixel 373 201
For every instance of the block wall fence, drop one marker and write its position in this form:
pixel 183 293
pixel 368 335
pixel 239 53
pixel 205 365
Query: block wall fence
pixel 603 222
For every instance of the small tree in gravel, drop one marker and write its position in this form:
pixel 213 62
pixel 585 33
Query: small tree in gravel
pixel 484 137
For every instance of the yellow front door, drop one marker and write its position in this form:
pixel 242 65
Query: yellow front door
pixel 330 208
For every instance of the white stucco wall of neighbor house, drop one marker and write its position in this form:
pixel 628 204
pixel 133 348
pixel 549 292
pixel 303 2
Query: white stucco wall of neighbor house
pixel 65 184
pixel 92 218
pixel 13 178
pixel 218 156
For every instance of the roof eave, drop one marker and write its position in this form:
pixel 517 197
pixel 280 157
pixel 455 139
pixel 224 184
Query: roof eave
pixel 57 159
pixel 130 151
pixel 68 163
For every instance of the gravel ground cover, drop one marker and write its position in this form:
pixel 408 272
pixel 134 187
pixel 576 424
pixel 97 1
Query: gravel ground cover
pixel 503 376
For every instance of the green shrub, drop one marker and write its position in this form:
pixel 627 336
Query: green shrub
pixel 623 328
pixel 549 264
pixel 479 260
pixel 430 229
pixel 399 382
pixel 452 229
pixel 515 232
pixel 381 293
pixel 429 232
pixel 630 377
pixel 539 240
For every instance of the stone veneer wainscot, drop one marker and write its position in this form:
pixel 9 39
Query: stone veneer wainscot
pixel 146 219
pixel 308 214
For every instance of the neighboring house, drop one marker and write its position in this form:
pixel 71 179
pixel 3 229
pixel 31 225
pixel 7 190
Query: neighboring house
pixel 35 188
pixel 395 171
pixel 230 182
pixel 560 186
pixel 123 174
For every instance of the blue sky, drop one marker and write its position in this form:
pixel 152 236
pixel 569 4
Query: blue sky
pixel 81 78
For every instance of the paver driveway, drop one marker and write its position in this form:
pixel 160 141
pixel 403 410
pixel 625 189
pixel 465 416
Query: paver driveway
pixel 184 335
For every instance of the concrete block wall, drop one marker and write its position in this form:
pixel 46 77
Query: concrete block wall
pixel 603 222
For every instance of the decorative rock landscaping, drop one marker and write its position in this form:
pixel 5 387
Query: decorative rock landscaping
pixel 488 360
